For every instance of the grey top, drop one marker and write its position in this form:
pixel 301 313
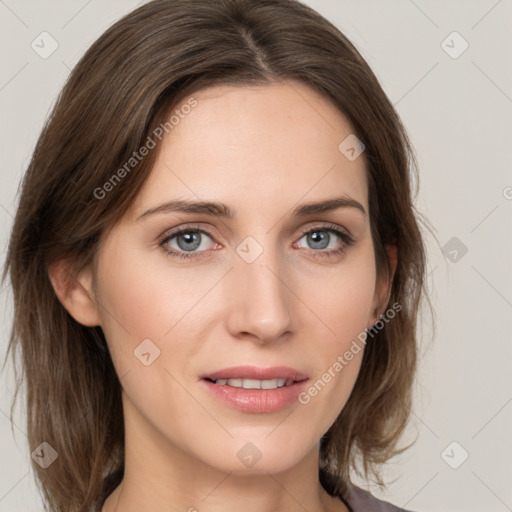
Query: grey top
pixel 359 500
pixel 355 498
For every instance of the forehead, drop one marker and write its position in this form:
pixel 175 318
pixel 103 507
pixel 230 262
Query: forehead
pixel 255 147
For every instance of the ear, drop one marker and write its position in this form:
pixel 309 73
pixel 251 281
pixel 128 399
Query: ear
pixel 384 285
pixel 75 293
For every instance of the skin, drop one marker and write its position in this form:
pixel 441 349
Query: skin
pixel 262 151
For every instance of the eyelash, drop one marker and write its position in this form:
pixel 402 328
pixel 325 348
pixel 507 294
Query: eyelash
pixel 345 237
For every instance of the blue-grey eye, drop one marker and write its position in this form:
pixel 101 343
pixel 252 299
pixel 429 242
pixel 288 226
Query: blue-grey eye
pixel 188 241
pixel 320 239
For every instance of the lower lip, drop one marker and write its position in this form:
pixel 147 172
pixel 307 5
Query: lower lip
pixel 256 400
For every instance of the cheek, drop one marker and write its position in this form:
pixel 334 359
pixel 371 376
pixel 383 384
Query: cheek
pixel 151 307
pixel 144 296
pixel 342 299
pixel 143 308
pixel 343 305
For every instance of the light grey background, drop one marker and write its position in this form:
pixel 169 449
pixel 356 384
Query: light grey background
pixel 458 114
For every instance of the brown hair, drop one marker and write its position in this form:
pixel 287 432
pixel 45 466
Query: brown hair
pixel 120 91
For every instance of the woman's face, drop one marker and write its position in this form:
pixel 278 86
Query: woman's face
pixel 252 290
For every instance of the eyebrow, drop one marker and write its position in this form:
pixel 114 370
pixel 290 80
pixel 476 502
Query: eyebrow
pixel 216 209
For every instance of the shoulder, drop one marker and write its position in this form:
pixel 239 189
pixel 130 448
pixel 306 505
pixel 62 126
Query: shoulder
pixel 359 500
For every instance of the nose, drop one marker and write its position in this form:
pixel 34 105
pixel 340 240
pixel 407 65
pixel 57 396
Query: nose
pixel 260 299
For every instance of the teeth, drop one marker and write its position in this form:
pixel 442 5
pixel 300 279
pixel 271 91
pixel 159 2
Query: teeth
pixel 254 383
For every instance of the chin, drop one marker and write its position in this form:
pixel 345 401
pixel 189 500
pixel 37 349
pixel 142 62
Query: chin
pixel 246 454
pixel 278 462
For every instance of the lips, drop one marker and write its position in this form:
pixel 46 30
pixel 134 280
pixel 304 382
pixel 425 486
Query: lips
pixel 253 389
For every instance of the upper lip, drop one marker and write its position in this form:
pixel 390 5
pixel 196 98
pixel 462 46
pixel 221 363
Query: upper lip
pixel 254 372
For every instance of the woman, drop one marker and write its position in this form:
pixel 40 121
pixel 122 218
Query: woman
pixel 217 268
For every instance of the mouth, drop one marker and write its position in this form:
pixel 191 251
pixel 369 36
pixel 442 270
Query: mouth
pixel 253 389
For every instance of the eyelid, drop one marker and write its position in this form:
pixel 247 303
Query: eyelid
pixel 321 225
